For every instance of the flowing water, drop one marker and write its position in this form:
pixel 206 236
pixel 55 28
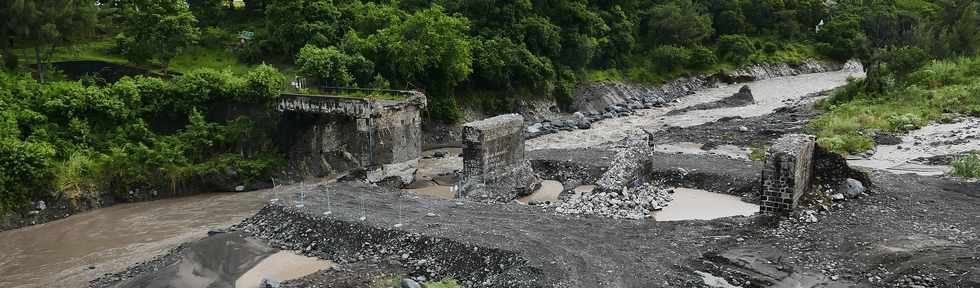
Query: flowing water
pixel 932 140
pixel 769 95
pixel 72 251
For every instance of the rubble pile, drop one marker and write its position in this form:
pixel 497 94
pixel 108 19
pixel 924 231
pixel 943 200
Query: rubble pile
pixel 630 203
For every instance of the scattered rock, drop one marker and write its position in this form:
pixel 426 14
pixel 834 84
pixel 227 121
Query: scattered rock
pixel 409 283
pixel 887 139
pixel 852 188
pixel 269 283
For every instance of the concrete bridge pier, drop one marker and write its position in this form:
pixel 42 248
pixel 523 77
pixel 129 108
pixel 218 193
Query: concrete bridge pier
pixel 332 135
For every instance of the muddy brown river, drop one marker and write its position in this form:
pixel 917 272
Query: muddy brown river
pixel 70 252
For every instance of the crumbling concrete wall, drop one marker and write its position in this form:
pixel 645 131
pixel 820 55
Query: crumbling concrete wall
pixel 494 166
pixel 325 135
pixel 787 173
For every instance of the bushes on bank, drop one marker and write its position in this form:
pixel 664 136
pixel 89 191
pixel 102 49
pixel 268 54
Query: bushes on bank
pixel 967 165
pixel 927 94
pixel 76 139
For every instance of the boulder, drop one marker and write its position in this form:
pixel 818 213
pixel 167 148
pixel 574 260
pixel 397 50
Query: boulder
pixel 852 188
pixel 409 283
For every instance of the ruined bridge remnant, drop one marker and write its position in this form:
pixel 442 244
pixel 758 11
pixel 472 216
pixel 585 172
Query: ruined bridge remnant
pixel 787 173
pixel 331 134
pixel 494 166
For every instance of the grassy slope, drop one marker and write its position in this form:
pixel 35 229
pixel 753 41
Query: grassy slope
pixel 935 92
pixel 98 50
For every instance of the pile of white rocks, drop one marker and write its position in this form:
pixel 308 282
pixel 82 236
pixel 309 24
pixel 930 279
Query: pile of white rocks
pixel 631 203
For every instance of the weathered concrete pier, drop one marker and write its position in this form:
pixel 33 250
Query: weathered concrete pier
pixel 333 134
pixel 494 166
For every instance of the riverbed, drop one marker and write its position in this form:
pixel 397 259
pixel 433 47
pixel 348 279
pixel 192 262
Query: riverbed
pixel 72 251
pixel 769 95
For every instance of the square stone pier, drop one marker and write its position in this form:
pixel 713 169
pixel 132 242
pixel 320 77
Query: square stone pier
pixel 494 167
pixel 787 173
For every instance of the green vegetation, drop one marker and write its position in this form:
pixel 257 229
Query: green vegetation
pixel 71 138
pixel 758 152
pixel 968 165
pixel 921 64
pixel 451 49
pixel 394 281
pixel 926 95
pixel 77 137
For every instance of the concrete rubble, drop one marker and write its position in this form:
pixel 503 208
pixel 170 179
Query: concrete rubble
pixel 620 192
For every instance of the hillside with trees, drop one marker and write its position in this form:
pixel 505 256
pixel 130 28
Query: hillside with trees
pixel 61 137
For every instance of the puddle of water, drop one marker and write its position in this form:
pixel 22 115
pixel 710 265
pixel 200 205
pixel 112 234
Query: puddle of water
pixel 282 266
pixel 439 171
pixel 691 204
pixel 548 192
pixel 934 140
pixel 439 191
pixel 769 95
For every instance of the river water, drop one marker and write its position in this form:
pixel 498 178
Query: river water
pixel 72 251
pixel 769 95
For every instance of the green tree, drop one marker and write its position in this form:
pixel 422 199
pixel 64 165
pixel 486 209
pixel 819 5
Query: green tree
pixel 842 38
pixel 207 11
pixel 676 22
pixel 326 64
pixel 160 29
pixel 294 23
pixel 736 48
pixel 45 24
pixel 429 48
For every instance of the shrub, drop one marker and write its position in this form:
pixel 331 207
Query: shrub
pixel 445 109
pixel 262 84
pixel 216 37
pixel 758 153
pixel 967 165
pixel 702 58
pixel 670 58
pixel 736 48
pixel 26 173
pixel 249 54
pixel 904 122
pixel 327 64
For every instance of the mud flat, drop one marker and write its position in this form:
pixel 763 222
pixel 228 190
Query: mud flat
pixel 935 140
